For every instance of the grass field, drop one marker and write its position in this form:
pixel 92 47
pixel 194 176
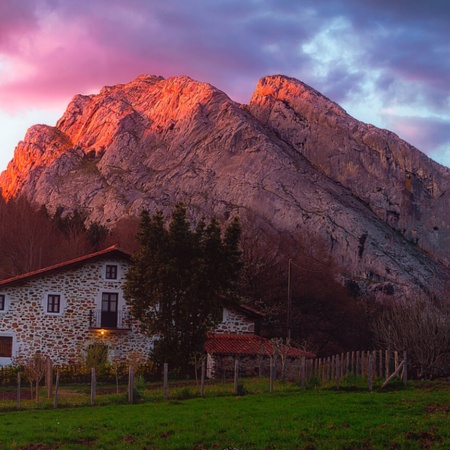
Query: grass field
pixel 417 417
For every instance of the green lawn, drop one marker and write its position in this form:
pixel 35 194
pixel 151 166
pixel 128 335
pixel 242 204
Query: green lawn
pixel 289 418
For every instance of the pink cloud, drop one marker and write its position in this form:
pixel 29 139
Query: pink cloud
pixel 51 50
pixel 428 134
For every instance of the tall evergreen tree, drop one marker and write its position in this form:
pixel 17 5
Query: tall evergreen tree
pixel 180 281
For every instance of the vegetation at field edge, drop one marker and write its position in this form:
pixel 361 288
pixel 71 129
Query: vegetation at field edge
pixel 399 418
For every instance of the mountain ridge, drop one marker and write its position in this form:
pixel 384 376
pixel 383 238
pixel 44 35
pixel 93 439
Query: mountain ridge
pixel 291 160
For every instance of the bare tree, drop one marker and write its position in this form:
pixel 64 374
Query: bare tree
pixel 26 235
pixel 34 369
pixel 282 349
pixel 196 360
pixel 419 326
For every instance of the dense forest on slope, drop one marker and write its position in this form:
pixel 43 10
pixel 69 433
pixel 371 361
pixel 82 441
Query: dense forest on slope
pixel 325 315
pixel 31 239
pixel 328 316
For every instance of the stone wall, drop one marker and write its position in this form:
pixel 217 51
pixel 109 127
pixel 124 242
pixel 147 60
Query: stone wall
pixel 222 366
pixel 64 336
pixel 235 322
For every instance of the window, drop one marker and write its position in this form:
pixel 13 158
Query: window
pixel 4 303
pixel 110 302
pixel 6 346
pixel 111 272
pixel 53 303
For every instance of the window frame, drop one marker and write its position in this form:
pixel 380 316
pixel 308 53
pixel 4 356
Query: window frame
pixel 4 302
pixel 7 360
pixel 54 303
pixel 11 346
pixel 114 268
pixel 46 304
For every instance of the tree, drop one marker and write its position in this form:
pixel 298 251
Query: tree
pixel 324 313
pixel 27 237
pixel 419 326
pixel 180 281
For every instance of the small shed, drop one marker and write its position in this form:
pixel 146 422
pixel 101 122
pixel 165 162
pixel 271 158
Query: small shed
pixel 254 354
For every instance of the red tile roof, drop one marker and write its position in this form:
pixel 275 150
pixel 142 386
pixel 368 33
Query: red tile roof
pixel 110 251
pixel 251 311
pixel 247 345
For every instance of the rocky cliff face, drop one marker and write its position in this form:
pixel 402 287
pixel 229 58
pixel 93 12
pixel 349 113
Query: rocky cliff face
pixel 291 159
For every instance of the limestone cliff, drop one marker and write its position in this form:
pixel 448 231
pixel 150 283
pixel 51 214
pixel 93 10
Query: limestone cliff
pixel 292 159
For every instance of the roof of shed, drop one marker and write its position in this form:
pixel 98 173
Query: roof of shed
pixel 247 345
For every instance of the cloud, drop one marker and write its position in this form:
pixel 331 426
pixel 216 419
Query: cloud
pixel 429 134
pixel 17 19
pixel 370 55
pixel 74 46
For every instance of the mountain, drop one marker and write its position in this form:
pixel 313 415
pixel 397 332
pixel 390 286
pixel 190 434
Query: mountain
pixel 291 162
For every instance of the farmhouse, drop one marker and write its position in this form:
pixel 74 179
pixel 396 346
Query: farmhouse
pixel 61 310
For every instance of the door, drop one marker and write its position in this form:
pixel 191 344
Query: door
pixel 109 309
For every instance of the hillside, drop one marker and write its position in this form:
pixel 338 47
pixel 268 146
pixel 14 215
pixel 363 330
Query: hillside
pixel 291 162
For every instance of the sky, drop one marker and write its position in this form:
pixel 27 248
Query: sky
pixel 386 62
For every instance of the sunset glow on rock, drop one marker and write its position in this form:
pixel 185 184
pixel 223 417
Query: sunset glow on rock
pixel 290 160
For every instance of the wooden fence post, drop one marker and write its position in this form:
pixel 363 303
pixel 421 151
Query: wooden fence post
pixel 271 370
pixel 49 377
pixel 338 371
pixel 93 385
pixel 166 381
pixel 374 355
pixel 55 400
pixel 130 383
pixel 405 369
pixel 386 362
pixel 364 364
pixel 380 363
pixel 370 372
pixel 202 379
pixel 395 360
pixel 236 376
pixel 303 372
pixel 18 389
pixel 393 375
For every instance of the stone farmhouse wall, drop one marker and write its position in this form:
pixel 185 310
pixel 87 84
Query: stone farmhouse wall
pixel 64 336
pixel 235 321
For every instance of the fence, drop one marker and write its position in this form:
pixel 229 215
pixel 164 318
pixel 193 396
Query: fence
pixel 377 363
pixel 107 373
pixel 360 364
pixel 371 364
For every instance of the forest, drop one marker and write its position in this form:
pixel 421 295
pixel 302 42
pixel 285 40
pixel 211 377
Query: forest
pixel 327 316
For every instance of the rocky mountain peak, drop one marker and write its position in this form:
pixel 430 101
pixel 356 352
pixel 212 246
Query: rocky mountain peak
pixel 279 88
pixel 290 162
